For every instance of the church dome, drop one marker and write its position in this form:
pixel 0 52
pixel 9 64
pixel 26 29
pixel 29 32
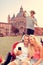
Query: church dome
pixel 20 14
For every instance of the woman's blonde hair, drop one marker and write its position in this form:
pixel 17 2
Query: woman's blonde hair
pixel 36 39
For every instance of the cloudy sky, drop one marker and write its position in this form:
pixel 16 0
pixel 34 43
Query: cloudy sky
pixel 13 6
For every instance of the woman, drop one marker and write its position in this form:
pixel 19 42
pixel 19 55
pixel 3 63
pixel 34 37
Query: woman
pixel 36 51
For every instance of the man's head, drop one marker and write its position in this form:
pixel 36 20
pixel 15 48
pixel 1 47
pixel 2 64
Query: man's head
pixel 32 12
pixel 26 40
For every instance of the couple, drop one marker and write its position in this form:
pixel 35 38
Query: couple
pixel 29 52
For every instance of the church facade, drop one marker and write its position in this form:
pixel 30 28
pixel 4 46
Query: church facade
pixel 16 22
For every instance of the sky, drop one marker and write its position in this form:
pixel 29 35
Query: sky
pixel 13 6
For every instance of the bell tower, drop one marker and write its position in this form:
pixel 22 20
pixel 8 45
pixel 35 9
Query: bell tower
pixel 9 18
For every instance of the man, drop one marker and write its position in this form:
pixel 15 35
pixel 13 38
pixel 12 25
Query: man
pixel 30 21
pixel 21 52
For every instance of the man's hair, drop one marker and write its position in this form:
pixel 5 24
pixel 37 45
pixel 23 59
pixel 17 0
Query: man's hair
pixel 23 37
pixel 26 35
pixel 32 11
